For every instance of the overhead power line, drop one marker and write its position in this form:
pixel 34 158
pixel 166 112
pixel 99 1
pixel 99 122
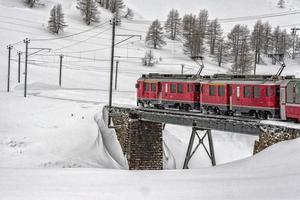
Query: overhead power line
pixel 233 19
pixel 72 35
pixel 81 41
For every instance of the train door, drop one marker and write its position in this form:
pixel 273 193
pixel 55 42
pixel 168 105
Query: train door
pixel 229 97
pixel 160 92
pixel 283 103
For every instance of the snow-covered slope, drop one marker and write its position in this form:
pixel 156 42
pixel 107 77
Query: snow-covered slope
pixel 217 8
pixel 273 174
pixel 229 13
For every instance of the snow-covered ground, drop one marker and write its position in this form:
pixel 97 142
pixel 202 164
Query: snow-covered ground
pixel 56 128
pixel 273 174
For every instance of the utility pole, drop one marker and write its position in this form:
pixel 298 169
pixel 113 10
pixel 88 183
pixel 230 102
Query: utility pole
pixel 26 41
pixel 116 76
pixel 19 66
pixel 112 67
pixel 114 22
pixel 182 68
pixel 60 68
pixel 9 47
pixel 294 34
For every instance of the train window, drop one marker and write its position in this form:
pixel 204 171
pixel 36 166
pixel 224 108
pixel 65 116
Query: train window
pixel 238 91
pixel 212 90
pixel 166 88
pixel 153 86
pixel 277 91
pixel 269 91
pixel 257 92
pixel 298 93
pixel 247 91
pixel 197 88
pixel 221 91
pixel 180 88
pixel 146 87
pixel 173 88
pixel 290 92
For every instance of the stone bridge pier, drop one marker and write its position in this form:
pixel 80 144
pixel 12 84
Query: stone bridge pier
pixel 141 142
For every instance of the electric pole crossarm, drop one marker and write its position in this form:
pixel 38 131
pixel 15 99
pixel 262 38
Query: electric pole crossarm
pixel 129 37
pixel 39 50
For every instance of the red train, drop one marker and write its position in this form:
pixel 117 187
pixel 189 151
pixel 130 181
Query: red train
pixel 260 96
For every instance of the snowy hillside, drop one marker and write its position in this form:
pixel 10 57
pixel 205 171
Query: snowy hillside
pixel 56 127
pixel 222 9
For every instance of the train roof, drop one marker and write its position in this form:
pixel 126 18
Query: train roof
pixel 247 77
pixel 219 78
pixel 170 77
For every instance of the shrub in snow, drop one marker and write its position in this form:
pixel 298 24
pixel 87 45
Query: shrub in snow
pixel 56 22
pixel 281 3
pixel 149 59
pixel 129 14
pixel 89 10
pixel 32 3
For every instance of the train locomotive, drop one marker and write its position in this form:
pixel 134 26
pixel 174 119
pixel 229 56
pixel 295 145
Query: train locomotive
pixel 260 96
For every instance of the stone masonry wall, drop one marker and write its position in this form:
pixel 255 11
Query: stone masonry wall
pixel 141 142
pixel 269 138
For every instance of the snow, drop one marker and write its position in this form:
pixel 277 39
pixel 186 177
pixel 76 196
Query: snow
pixel 54 145
pixel 283 124
pixel 273 174
pixel 221 9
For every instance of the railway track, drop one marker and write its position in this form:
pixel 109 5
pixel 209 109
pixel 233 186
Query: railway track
pixel 199 114
pixel 236 124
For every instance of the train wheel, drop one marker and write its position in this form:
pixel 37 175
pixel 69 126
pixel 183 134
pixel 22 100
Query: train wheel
pixel 269 115
pixel 141 104
pixel 187 108
pixel 205 110
pixel 262 115
pixel 230 113
pixel 216 110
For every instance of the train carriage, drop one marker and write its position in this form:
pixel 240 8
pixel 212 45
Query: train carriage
pixel 215 96
pixel 168 90
pixel 252 95
pixel 290 100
